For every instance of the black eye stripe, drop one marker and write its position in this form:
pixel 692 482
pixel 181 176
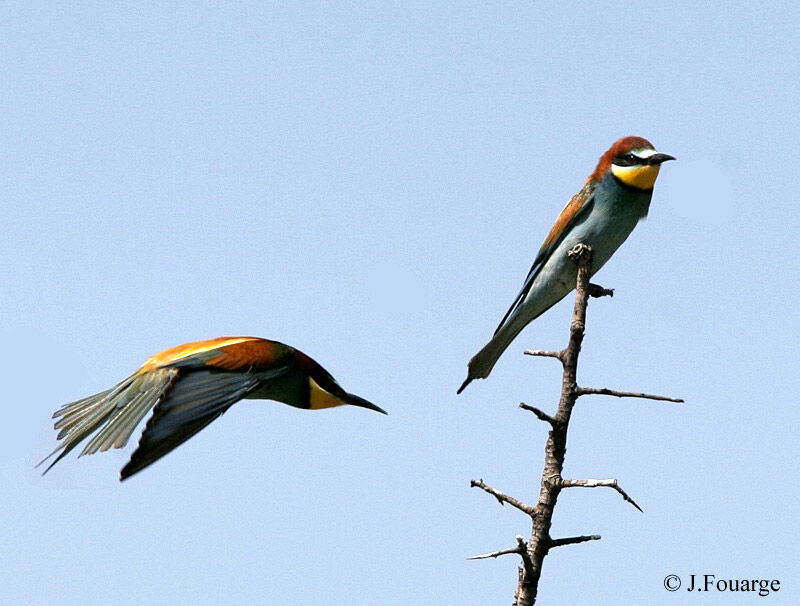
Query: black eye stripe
pixel 628 160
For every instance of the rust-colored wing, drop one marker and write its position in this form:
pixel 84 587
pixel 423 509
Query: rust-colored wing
pixel 575 207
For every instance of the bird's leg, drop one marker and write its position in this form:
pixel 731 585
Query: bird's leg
pixel 597 291
pixel 594 290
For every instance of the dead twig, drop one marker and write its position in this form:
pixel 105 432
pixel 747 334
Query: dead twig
pixel 574 540
pixel 609 483
pixel 594 391
pixel 543 353
pixel 502 498
pixel 521 549
pixel 539 413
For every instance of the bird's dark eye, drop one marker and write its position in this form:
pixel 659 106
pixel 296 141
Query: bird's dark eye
pixel 627 160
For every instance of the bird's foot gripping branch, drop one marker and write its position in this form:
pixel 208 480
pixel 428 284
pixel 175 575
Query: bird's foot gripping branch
pixel 533 551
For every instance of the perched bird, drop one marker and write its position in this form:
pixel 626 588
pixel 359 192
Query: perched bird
pixel 189 386
pixel 602 214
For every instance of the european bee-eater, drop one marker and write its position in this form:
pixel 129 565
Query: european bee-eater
pixel 602 214
pixel 189 386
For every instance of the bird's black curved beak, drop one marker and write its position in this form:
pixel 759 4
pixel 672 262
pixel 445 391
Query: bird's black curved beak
pixel 659 158
pixel 356 401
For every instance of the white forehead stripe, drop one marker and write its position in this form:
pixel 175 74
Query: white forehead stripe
pixel 644 152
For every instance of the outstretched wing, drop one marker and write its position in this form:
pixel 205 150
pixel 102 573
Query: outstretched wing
pixel 575 208
pixel 197 398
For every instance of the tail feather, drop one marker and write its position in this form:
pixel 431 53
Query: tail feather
pixel 117 411
pixel 483 362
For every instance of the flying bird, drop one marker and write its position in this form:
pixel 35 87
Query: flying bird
pixel 189 386
pixel 614 198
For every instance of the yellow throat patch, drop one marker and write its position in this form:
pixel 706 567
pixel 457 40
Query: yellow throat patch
pixel 319 398
pixel 640 177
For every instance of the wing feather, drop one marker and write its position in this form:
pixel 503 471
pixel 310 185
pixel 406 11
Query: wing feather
pixel 579 204
pixel 195 400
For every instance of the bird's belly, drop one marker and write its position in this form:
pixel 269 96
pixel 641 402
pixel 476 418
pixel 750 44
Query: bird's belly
pixel 603 232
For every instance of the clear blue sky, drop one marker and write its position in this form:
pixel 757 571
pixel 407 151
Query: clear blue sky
pixel 370 184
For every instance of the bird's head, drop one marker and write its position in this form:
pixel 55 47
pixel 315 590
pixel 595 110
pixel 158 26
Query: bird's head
pixel 324 391
pixel 633 161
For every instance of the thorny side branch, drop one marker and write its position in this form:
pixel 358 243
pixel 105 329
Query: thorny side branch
pixel 503 498
pixel 610 483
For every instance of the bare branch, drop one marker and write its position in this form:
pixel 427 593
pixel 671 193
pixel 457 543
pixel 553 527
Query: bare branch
pixel 539 413
pixel 521 549
pixel 543 353
pixel 556 447
pixel 503 498
pixel 609 483
pixel 495 554
pixel 573 540
pixel 587 391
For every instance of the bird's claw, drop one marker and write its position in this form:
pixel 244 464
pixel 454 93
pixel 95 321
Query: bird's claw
pixel 578 251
